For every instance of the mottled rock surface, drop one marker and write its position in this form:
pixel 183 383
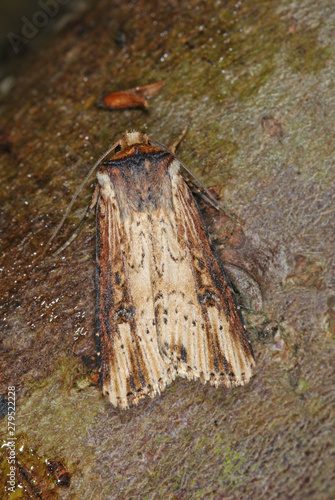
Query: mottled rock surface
pixel 255 82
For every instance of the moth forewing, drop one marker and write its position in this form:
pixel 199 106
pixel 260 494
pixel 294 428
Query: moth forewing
pixel 164 304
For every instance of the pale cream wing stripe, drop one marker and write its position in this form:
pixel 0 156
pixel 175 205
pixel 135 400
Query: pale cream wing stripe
pixel 178 313
pixel 131 365
pixel 203 334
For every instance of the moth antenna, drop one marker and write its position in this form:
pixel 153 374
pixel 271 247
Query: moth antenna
pixel 82 222
pixel 176 143
pixel 209 197
pixel 97 163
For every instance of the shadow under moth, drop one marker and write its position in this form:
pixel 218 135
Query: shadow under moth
pixel 164 303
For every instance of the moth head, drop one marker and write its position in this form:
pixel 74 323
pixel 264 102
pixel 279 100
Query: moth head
pixel 131 138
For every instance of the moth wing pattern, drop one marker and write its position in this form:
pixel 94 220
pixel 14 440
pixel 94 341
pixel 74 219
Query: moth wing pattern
pixel 131 364
pixel 164 305
pixel 200 327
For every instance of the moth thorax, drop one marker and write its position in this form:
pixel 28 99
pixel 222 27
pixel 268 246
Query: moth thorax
pixel 131 138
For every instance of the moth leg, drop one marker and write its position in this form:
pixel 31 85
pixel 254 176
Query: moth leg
pixel 82 222
pixel 196 190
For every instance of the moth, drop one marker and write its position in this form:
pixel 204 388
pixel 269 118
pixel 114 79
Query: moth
pixel 165 307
